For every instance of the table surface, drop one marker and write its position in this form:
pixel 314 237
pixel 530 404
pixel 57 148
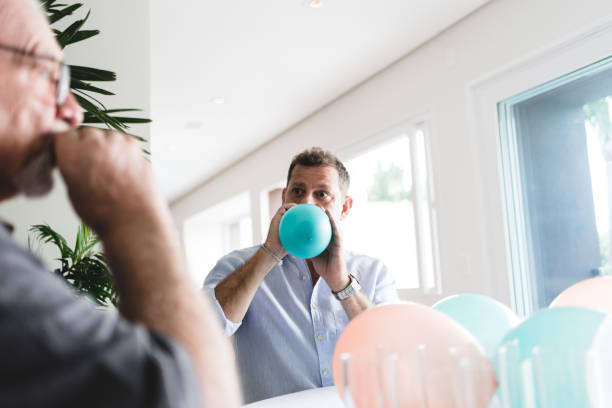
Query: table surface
pixel 317 397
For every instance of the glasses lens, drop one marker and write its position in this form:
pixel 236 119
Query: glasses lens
pixel 63 85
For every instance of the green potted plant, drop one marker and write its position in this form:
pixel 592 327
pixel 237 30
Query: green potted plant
pixel 85 266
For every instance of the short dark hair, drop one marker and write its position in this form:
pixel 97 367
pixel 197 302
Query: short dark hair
pixel 316 156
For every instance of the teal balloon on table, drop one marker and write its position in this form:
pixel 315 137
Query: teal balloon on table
pixel 305 231
pixel 487 319
pixel 542 362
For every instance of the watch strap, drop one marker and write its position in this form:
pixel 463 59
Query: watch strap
pixel 352 288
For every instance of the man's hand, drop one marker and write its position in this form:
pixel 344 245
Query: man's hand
pixel 237 290
pixel 109 181
pixel 111 187
pixel 331 266
pixel 331 263
pixel 273 241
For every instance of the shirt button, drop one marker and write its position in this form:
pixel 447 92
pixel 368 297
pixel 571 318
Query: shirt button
pixel 325 372
pixel 314 306
pixel 320 337
pixel 303 277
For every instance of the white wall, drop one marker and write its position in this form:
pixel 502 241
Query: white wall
pixel 434 78
pixel 123 47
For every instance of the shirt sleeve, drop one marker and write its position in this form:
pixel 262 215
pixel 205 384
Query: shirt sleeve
pixel 59 349
pixel 224 267
pixel 385 291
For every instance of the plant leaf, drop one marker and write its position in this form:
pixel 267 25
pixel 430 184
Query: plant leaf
pixel 91 74
pixel 121 119
pixel 56 14
pixel 123 110
pixel 66 36
pixel 46 234
pixel 96 115
pixel 82 35
pixel 78 84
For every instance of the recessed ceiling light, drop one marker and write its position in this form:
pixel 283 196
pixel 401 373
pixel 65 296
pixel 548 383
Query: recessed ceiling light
pixel 193 125
pixel 218 100
pixel 316 3
pixel 172 148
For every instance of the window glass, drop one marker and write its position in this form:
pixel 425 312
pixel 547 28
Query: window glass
pixel 557 161
pixel 598 128
pixel 391 215
pixel 216 231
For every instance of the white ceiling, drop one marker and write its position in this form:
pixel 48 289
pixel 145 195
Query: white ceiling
pixel 274 62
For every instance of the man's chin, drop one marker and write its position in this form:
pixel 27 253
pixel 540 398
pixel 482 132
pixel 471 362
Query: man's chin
pixel 39 189
pixel 36 177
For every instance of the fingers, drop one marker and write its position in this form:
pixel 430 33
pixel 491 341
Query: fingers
pixel 282 210
pixel 88 138
pixel 336 234
pixel 106 174
pixel 332 221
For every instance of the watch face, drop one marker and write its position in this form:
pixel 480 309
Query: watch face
pixel 350 290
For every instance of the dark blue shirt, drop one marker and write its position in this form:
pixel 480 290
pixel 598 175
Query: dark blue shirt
pixel 57 349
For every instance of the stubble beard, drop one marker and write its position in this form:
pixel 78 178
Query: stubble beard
pixel 36 177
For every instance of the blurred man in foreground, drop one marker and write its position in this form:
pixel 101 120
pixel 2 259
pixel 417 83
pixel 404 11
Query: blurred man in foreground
pixel 165 349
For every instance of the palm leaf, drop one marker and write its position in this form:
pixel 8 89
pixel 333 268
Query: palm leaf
pixel 95 113
pixel 57 14
pixel 78 84
pixel 83 35
pixel 46 234
pixel 90 98
pixel 120 119
pixel 81 76
pixel 66 36
pixel 84 269
pixel 91 74
pixel 85 241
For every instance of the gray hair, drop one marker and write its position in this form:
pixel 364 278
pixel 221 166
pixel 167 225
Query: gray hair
pixel 316 156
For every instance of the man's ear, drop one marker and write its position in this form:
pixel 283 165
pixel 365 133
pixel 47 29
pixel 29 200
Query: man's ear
pixel 346 207
pixel 283 195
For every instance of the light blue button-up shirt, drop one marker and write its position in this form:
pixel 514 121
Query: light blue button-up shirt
pixel 286 340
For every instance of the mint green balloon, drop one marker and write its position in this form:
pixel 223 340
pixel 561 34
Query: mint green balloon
pixel 487 319
pixel 551 346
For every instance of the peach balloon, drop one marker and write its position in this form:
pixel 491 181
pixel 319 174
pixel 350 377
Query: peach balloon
pixel 436 359
pixel 593 293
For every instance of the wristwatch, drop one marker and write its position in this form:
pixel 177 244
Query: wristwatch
pixel 349 291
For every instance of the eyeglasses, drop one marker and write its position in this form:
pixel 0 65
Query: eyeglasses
pixel 62 83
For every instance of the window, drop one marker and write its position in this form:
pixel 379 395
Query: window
pixel 556 145
pixel 270 200
pixel 215 232
pixel 394 213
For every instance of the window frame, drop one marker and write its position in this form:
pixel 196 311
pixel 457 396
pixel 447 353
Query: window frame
pixel 522 267
pixel 502 257
pixel 214 216
pixel 410 127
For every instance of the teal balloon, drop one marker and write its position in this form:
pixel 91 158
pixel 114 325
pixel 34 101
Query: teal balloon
pixel 305 231
pixel 543 361
pixel 487 319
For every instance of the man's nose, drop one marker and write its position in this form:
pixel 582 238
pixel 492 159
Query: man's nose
pixel 307 199
pixel 70 111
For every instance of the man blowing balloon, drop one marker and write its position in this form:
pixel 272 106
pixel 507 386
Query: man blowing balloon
pixel 286 313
